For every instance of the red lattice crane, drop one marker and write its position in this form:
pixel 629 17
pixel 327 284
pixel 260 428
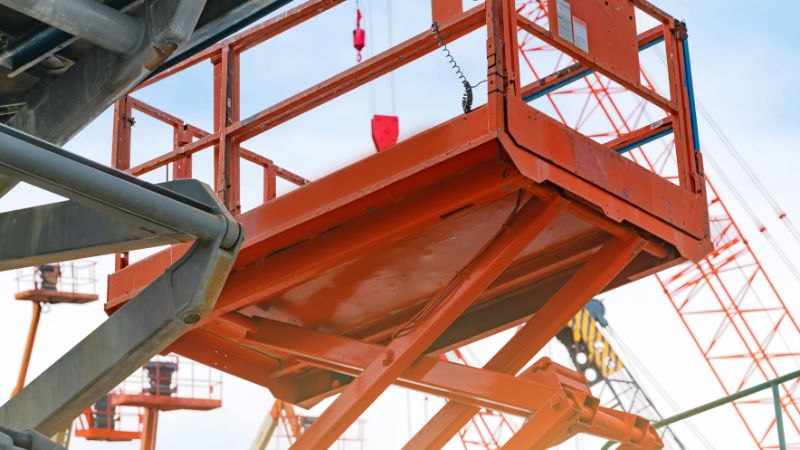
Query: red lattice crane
pixel 731 308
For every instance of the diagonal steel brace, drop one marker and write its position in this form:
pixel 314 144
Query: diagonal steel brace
pixel 134 214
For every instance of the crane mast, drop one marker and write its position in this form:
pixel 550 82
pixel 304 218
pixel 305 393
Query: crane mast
pixel 727 301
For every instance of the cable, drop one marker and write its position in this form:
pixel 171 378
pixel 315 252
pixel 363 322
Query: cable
pixel 782 216
pixel 630 359
pixel 762 228
pixel 371 85
pixel 390 33
pixel 737 156
pixel 754 217
pixel 408 413
pixel 467 97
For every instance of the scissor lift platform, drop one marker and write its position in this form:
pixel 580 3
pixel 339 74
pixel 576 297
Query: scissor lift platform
pixel 501 216
pixel 48 296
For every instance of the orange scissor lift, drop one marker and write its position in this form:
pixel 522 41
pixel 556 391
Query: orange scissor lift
pixel 70 282
pixel 132 410
pixel 498 217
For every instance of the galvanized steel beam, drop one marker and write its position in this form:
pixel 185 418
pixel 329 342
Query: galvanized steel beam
pixel 156 316
pixel 87 19
pixel 25 440
pixel 44 165
pixel 56 110
pixel 69 230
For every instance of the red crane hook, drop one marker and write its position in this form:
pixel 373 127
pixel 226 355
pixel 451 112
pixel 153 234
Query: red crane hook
pixel 359 35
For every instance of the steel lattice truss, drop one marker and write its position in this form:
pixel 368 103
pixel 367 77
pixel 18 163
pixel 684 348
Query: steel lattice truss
pixel 622 391
pixel 727 301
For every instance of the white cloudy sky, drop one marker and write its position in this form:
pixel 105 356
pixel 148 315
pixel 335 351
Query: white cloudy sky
pixel 746 56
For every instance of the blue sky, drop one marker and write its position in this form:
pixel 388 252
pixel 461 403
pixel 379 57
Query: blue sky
pixel 745 56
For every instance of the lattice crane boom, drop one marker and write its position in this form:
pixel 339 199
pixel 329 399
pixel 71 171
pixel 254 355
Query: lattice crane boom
pixel 728 303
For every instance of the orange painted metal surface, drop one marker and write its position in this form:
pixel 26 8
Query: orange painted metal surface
pixel 48 296
pixel 104 422
pixel 164 403
pixel 603 30
pixel 103 434
pixel 26 354
pixel 58 283
pixel 498 217
pixel 729 290
pixel 132 410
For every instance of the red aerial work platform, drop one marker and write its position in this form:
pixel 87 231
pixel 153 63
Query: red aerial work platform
pixel 132 410
pixel 498 217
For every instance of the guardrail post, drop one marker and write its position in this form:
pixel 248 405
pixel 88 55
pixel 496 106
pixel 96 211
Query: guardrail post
pixel 776 395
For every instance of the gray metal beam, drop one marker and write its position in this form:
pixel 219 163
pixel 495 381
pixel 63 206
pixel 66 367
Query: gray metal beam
pixel 6 184
pixel 87 19
pixel 58 109
pixel 25 440
pixel 44 165
pixel 146 325
pixel 69 230
pixel 155 317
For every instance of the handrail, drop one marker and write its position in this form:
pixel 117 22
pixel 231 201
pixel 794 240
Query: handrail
pixel 771 384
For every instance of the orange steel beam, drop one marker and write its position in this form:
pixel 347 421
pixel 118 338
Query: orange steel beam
pixel 361 74
pixel 226 109
pixel 149 429
pixel 573 410
pixel 488 389
pixel 526 395
pixel 522 227
pixel 587 60
pixel 342 233
pixel 183 134
pixel 340 84
pixel 283 411
pixel 556 78
pixel 26 354
pixel 292 266
pixel 640 134
pixel 350 79
pixel 164 402
pixel 588 281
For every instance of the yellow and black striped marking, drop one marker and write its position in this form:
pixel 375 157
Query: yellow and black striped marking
pixel 599 352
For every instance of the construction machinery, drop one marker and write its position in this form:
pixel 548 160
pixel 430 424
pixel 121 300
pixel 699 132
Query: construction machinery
pixel 500 215
pixel 48 284
pixel 729 304
pixel 592 354
pixel 131 411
